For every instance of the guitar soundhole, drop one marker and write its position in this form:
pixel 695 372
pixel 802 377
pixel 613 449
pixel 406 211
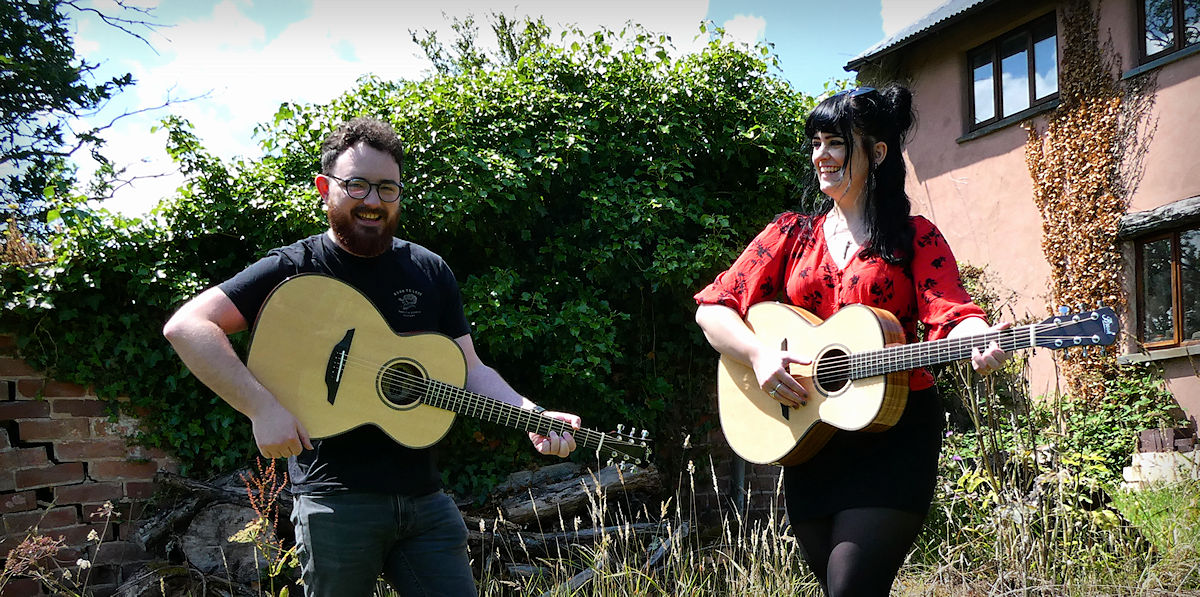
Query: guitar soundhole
pixel 402 383
pixel 833 371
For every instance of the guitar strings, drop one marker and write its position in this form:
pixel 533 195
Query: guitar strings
pixel 428 392
pixel 913 354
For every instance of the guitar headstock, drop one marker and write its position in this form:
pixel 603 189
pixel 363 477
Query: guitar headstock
pixel 626 448
pixel 1098 327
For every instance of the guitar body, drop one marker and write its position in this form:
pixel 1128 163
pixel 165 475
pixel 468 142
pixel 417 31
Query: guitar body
pixel 762 430
pixel 290 352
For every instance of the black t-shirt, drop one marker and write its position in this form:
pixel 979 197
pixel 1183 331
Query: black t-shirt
pixel 415 291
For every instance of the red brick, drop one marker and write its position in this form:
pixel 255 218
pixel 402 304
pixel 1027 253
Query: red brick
pixel 146 453
pixel 8 480
pixel 77 536
pixel 123 427
pixel 21 587
pixel 5 443
pixel 108 470
pixel 49 388
pixel 139 490
pixel 58 474
pixel 60 429
pixel 22 458
pixel 19 523
pixel 18 502
pixel 90 449
pixel 8 344
pixel 24 409
pixel 77 407
pixel 12 367
pixel 88 493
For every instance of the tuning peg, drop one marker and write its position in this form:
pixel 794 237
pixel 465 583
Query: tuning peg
pixel 620 428
pixel 645 434
pixel 633 432
pixel 1063 309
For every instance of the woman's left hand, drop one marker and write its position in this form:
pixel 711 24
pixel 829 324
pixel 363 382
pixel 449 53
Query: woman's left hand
pixel 992 358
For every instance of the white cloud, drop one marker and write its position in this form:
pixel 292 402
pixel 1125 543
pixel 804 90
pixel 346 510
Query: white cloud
pixel 748 29
pixel 246 72
pixel 898 14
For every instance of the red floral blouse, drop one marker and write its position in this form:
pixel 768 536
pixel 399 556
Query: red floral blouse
pixel 779 260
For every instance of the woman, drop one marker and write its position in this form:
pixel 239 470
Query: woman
pixel 857 506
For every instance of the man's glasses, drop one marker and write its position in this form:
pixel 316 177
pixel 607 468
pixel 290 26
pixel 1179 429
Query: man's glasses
pixel 359 188
pixel 857 91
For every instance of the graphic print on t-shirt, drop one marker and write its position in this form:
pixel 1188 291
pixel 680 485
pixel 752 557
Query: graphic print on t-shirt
pixel 407 302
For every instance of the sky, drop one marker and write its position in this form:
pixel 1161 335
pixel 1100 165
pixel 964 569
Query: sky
pixel 227 65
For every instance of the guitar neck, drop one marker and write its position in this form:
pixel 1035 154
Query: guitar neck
pixel 948 350
pixel 455 399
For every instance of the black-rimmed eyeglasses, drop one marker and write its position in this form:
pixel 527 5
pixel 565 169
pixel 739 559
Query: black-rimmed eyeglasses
pixel 359 188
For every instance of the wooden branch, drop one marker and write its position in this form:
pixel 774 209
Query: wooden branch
pixel 1176 214
pixel 568 497
pixel 681 532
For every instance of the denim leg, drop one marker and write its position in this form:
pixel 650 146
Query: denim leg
pixel 431 558
pixel 341 541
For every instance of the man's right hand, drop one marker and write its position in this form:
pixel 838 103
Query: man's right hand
pixel 278 433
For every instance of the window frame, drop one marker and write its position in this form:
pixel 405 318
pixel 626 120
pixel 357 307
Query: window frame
pixel 1178 30
pixel 1177 338
pixel 992 47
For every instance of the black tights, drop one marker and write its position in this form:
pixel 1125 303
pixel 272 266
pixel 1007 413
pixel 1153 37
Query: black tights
pixel 858 551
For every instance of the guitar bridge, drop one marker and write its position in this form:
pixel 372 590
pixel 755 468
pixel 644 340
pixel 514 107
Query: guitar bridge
pixel 337 365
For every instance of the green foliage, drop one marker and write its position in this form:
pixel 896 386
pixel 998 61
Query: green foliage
pixel 581 190
pixel 44 86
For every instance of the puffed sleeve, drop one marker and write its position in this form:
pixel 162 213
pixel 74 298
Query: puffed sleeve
pixel 942 301
pixel 759 273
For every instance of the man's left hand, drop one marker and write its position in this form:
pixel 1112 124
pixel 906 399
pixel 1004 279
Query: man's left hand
pixel 558 445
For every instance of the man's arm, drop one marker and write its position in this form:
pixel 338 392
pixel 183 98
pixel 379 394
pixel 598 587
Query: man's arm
pixel 199 333
pixel 484 380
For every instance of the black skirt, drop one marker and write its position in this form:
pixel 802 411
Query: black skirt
pixel 896 468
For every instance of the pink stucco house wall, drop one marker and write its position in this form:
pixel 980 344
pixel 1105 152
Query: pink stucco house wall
pixel 969 176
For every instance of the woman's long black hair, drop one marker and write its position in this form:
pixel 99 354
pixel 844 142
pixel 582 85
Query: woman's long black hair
pixel 863 117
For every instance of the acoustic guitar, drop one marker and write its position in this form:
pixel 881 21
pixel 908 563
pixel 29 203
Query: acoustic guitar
pixel 324 350
pixel 858 379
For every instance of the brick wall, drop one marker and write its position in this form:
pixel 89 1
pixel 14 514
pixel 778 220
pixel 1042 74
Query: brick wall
pixel 761 491
pixel 61 459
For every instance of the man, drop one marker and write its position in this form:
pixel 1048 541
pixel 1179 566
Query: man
pixel 364 504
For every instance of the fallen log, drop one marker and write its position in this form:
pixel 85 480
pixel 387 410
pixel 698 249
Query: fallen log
pixel 563 500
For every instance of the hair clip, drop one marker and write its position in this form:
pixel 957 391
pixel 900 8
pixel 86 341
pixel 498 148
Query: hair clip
pixel 857 91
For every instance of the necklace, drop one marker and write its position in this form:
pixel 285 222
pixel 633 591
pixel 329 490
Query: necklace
pixel 842 225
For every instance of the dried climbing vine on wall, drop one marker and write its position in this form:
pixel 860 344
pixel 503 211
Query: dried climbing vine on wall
pixel 1080 188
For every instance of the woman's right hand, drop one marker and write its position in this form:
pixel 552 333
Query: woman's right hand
pixel 772 370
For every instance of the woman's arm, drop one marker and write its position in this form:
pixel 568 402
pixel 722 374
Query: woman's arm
pixel 727 333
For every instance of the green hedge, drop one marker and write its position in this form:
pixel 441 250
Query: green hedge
pixel 582 192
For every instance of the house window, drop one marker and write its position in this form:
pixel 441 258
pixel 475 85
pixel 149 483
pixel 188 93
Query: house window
pixel 1014 72
pixel 1169 289
pixel 1168 26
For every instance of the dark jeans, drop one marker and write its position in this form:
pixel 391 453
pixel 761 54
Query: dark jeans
pixel 346 540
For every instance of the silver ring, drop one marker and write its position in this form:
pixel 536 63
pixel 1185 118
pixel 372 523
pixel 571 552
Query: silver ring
pixel 777 387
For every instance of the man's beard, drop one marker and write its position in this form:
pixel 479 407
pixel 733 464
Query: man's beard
pixel 358 240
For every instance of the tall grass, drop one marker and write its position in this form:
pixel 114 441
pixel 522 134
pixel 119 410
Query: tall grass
pixel 1023 508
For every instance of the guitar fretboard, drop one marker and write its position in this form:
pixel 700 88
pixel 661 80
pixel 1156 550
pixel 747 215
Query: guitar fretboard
pixel 455 399
pixel 911 356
